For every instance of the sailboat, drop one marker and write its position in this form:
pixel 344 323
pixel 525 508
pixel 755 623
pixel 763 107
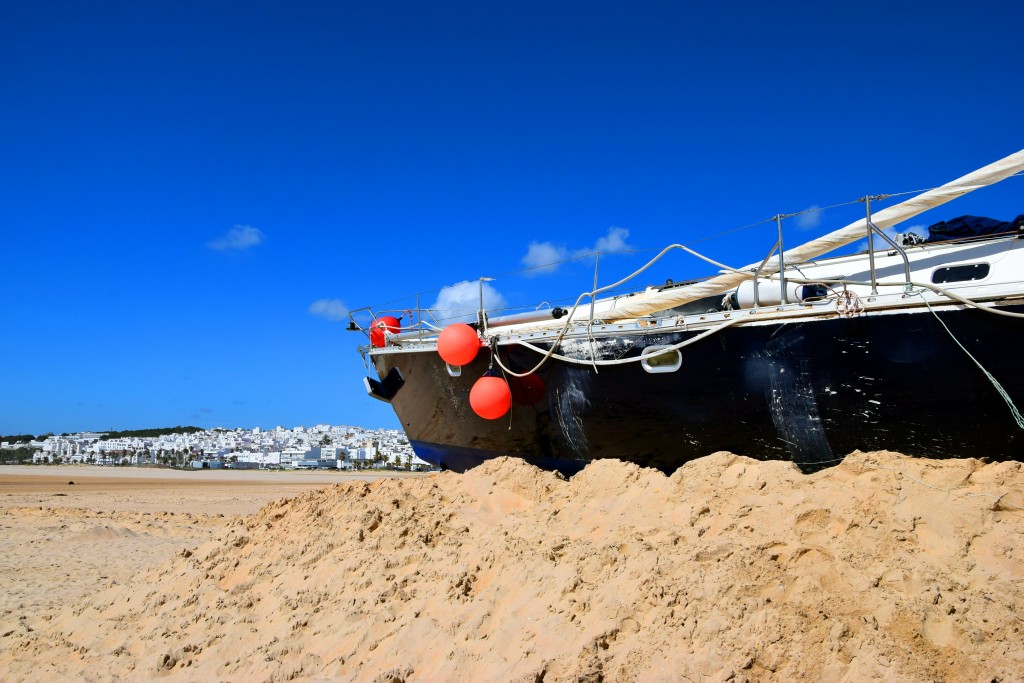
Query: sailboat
pixel 910 345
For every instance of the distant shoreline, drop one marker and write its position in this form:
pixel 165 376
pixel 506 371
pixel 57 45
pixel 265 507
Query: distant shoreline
pixel 12 475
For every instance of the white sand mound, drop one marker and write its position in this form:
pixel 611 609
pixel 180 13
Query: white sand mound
pixel 883 568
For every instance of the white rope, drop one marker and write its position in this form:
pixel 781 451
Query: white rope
pixel 919 285
pixel 616 361
pixel 847 306
pixel 550 353
pixel 964 300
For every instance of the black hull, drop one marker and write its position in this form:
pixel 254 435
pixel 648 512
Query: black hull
pixel 808 391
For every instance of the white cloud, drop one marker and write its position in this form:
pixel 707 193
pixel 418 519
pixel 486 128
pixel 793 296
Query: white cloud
pixel 331 309
pixel 613 241
pixel 545 257
pixel 238 237
pixel 461 301
pixel 811 218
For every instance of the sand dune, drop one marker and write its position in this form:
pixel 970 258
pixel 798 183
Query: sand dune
pixel 883 568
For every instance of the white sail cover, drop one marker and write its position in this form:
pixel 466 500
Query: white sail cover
pixel 646 303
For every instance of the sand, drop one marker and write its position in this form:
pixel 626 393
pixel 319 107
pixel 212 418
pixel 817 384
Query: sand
pixel 61 541
pixel 883 568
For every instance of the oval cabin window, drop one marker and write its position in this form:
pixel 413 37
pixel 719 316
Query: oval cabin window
pixel 968 273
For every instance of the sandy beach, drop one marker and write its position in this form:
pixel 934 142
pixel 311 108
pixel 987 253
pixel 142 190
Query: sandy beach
pixel 883 568
pixel 67 531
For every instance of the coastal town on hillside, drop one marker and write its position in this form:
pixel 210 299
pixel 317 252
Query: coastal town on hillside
pixel 320 447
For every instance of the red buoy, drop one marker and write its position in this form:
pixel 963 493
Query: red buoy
pixel 490 397
pixel 527 391
pixel 458 344
pixel 384 323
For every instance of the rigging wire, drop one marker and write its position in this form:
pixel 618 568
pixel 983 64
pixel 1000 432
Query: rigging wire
pixel 598 290
pixel 551 353
pixel 723 233
pixel 999 387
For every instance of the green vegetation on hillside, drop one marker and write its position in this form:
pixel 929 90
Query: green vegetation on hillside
pixel 152 432
pixel 160 431
pixel 17 456
pixel 17 438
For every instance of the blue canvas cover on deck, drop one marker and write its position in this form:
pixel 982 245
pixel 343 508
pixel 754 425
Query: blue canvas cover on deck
pixel 972 226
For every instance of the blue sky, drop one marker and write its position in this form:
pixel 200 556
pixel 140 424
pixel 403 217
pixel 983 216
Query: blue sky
pixel 190 192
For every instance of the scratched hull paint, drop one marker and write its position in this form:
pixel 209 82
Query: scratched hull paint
pixel 809 391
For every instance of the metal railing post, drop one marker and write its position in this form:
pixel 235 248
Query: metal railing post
pixel 782 263
pixel 871 245
pixel 757 274
pixel 482 314
pixel 892 242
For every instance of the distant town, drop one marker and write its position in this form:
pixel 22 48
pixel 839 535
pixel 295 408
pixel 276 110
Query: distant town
pixel 320 447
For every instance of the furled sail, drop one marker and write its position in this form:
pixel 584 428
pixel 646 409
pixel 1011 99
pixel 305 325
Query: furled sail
pixel 646 303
